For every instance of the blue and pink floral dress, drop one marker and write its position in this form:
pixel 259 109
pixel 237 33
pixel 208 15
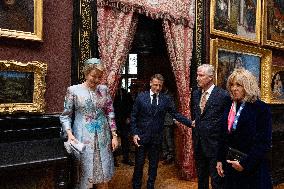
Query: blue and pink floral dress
pixel 94 121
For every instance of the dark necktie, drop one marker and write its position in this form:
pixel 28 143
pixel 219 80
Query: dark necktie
pixel 154 101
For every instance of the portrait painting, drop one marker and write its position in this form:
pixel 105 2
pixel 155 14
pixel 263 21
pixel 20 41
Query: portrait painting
pixel 21 19
pixel 238 19
pixel 277 82
pixel 273 23
pixel 22 86
pixel 227 56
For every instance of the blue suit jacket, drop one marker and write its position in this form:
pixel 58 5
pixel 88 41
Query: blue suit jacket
pixel 253 136
pixel 209 124
pixel 147 123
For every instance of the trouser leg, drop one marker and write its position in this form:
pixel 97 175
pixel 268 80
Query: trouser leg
pixel 153 157
pixel 202 167
pixel 138 169
pixel 125 145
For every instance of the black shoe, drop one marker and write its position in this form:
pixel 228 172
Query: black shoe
pixel 128 162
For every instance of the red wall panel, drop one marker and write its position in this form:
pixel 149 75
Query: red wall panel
pixel 55 50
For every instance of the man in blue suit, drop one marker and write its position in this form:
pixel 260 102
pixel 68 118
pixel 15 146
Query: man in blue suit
pixel 147 124
pixel 208 103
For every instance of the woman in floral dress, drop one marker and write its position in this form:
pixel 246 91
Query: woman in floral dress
pixel 94 126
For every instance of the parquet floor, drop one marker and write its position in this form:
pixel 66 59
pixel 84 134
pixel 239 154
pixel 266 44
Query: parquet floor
pixel 167 178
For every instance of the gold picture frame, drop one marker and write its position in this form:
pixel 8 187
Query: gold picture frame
pixel 272 25
pixel 21 19
pixel 227 55
pixel 199 20
pixel 277 90
pixel 23 86
pixel 239 19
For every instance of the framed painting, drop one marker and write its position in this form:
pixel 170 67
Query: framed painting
pixel 21 19
pixel 273 23
pixel 225 56
pixel 22 87
pixel 277 82
pixel 238 19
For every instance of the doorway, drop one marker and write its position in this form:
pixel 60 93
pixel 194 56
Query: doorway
pixel 147 57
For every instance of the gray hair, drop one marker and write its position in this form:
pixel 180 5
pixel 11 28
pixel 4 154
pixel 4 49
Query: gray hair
pixel 208 69
pixel 158 77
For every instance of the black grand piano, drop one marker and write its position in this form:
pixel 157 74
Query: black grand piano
pixel 32 153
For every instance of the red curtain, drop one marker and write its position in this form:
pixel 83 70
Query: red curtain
pixel 116 27
pixel 116 30
pixel 177 11
pixel 179 43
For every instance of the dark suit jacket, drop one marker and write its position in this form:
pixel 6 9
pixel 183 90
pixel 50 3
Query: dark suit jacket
pixel 252 136
pixel 147 123
pixel 209 124
pixel 122 108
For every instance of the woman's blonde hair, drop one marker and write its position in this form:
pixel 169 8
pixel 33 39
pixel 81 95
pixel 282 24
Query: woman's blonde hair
pixel 249 82
pixel 92 64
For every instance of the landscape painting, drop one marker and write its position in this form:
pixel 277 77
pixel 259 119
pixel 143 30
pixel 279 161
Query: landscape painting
pixel 16 87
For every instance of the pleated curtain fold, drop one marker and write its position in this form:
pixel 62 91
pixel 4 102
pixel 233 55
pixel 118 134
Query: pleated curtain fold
pixel 117 21
pixel 179 43
pixel 116 31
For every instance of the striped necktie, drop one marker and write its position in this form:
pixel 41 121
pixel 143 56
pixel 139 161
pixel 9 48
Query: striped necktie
pixel 203 101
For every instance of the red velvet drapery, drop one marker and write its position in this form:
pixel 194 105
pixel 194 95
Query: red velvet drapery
pixel 179 44
pixel 115 34
pixel 177 11
pixel 116 26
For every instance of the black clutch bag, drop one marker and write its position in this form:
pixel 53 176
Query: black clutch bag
pixel 234 154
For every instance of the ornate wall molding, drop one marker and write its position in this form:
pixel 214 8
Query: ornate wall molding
pixel 22 87
pixel 198 31
pixel 84 40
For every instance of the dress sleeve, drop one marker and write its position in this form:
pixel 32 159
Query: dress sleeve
pixel 109 110
pixel 66 115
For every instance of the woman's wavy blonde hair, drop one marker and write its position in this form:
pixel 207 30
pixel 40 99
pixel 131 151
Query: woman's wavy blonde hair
pixel 246 79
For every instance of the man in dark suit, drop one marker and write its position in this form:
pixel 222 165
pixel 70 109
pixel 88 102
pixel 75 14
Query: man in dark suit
pixel 122 108
pixel 147 124
pixel 209 103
